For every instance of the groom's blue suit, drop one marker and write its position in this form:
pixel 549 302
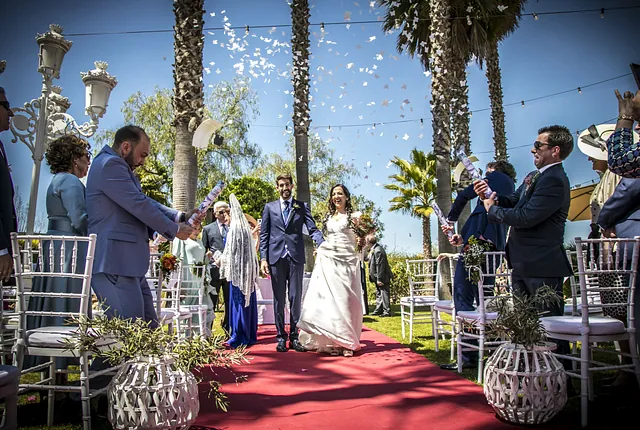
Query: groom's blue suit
pixel 282 246
pixel 124 219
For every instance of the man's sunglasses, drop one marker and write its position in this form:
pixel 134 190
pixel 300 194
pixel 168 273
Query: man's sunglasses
pixel 538 145
pixel 223 211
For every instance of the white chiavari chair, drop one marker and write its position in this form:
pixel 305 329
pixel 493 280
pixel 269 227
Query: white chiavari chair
pixel 59 258
pixel 445 325
pixel 417 307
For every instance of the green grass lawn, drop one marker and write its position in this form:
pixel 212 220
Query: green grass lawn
pixel 608 412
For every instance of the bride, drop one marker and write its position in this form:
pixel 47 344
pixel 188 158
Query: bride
pixel 331 316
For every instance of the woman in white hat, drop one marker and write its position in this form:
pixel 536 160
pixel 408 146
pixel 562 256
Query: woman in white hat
pixel 595 148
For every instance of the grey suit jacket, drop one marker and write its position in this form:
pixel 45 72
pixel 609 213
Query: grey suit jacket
pixel 8 220
pixel 213 241
pixel 123 217
pixel 379 269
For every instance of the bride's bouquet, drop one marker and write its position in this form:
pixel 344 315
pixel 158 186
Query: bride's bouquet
pixel 362 225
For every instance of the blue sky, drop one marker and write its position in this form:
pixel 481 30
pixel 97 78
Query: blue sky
pixel 357 80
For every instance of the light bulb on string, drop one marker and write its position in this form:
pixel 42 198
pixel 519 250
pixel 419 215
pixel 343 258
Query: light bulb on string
pixel 246 30
pixel 374 125
pixel 602 13
pixel 579 90
pixel 535 16
pixel 522 103
pixel 322 27
pixel 329 128
pixel 421 122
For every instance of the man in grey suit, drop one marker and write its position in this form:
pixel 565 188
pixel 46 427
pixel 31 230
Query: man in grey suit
pixel 125 219
pixel 8 220
pixel 380 274
pixel 213 239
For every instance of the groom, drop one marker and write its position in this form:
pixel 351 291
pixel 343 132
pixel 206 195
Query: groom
pixel 282 255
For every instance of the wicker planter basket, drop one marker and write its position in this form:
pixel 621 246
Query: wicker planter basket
pixel 525 386
pixel 151 393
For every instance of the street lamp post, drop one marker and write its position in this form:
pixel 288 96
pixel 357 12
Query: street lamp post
pixel 44 119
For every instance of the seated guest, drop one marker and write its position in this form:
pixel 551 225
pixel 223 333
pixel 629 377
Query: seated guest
pixel 68 160
pixel 239 265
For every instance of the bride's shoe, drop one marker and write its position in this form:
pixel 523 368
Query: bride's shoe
pixel 347 353
pixel 334 352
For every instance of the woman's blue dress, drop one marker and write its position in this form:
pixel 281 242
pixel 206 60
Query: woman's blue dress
pixel 67 213
pixel 243 321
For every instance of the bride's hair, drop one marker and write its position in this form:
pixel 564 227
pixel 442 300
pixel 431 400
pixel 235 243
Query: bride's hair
pixel 332 206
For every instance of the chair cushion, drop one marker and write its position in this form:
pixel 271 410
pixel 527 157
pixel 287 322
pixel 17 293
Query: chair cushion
pixel 9 375
pixel 54 337
pixel 418 300
pixel 446 305
pixel 475 315
pixel 168 313
pixel 573 325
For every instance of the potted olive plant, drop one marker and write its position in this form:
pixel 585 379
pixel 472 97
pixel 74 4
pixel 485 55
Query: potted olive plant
pixel 523 381
pixel 157 387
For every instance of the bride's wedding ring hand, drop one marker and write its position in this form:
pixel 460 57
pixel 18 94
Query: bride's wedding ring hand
pixel 264 266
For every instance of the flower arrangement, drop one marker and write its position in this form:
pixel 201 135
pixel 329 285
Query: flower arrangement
pixel 473 256
pixel 362 225
pixel 135 339
pixel 295 205
pixel 168 263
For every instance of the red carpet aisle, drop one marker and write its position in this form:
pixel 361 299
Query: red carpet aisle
pixel 384 386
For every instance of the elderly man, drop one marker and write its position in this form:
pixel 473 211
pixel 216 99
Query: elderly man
pixel 8 220
pixel 537 213
pixel 380 274
pixel 213 238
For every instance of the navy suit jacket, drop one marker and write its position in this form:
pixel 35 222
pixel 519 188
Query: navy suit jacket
pixel 275 233
pixel 537 216
pixel 478 225
pixel 622 209
pixel 8 220
pixel 123 217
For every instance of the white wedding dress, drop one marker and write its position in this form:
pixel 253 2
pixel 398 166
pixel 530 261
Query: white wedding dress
pixel 331 315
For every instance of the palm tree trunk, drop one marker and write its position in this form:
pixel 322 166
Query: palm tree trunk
pixel 440 50
pixel 494 79
pixel 426 237
pixel 188 98
pixel 301 119
pixel 460 119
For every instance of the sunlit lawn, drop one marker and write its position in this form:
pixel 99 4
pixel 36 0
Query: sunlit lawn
pixel 608 412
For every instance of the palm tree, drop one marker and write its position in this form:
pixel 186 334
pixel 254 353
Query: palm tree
pixel 427 34
pixel 416 186
pixel 188 98
pixel 301 119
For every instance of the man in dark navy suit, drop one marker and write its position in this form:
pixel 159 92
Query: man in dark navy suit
pixel 282 255
pixel 501 177
pixel 8 220
pixel 537 214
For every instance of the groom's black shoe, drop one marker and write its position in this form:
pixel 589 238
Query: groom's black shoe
pixel 295 344
pixel 282 345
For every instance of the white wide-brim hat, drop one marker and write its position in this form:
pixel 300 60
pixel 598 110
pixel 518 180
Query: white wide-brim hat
pixel 203 133
pixel 596 152
pixel 460 168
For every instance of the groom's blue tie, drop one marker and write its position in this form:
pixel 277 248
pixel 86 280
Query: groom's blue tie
pixel 286 211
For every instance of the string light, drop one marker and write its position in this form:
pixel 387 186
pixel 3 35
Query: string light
pixel 421 122
pixel 579 90
pixel 602 13
pixel 522 103
pixel 246 30
pixel 322 27
pixel 372 22
pixel 374 125
pixel 329 128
